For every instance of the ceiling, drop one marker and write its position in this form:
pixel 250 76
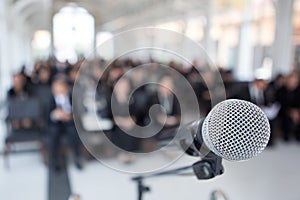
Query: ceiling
pixel 109 14
pixel 116 15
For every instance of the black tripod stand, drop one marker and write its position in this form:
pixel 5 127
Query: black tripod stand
pixel 207 168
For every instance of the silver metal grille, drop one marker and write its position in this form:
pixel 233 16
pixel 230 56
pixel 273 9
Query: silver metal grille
pixel 236 130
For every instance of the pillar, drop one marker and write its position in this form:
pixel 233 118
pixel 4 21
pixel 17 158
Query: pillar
pixel 244 70
pixel 282 46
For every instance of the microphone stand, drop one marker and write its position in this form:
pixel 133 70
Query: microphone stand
pixel 207 168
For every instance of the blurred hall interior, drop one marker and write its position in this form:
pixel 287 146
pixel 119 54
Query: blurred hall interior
pixel 76 76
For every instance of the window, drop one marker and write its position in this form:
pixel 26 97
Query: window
pixel 74 33
pixel 105 45
pixel 41 44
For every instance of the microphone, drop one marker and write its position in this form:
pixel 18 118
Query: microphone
pixel 234 129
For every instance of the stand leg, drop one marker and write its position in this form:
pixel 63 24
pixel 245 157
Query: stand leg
pixel 141 189
pixel 206 168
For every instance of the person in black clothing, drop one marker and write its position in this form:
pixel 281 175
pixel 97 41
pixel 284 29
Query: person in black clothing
pixel 259 93
pixel 253 92
pixel 166 98
pixel 60 122
pixel 141 97
pixel 60 68
pixel 289 96
pixel 19 88
pixel 123 123
pixel 206 89
pixel 42 90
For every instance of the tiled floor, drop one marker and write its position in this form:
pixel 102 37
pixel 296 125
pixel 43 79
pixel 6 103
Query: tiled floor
pixel 274 175
pixel 26 179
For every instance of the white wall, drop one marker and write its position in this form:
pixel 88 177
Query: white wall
pixel 4 55
pixel 15 41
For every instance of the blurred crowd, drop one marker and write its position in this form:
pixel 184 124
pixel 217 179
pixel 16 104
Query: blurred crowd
pixel 52 83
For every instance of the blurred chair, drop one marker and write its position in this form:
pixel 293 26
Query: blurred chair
pixel 23 124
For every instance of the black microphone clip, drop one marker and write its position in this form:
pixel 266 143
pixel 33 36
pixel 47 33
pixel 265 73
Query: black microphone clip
pixel 208 168
pixel 210 164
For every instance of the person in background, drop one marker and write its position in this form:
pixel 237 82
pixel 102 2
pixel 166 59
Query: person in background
pixel 42 90
pixel 61 123
pixel 259 93
pixel 60 68
pixel 166 98
pixel 278 82
pixel 19 88
pixel 72 75
pixel 204 90
pixel 141 96
pixel 19 91
pixel 289 98
pixel 123 123
pixel 227 78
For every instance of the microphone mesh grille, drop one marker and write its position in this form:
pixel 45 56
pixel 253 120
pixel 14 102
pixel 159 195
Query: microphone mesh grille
pixel 236 130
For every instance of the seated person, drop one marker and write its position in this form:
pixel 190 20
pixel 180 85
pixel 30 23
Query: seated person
pixel 123 123
pixel 166 98
pixel 288 97
pixel 42 90
pixel 19 88
pixel 61 123
pixel 260 93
